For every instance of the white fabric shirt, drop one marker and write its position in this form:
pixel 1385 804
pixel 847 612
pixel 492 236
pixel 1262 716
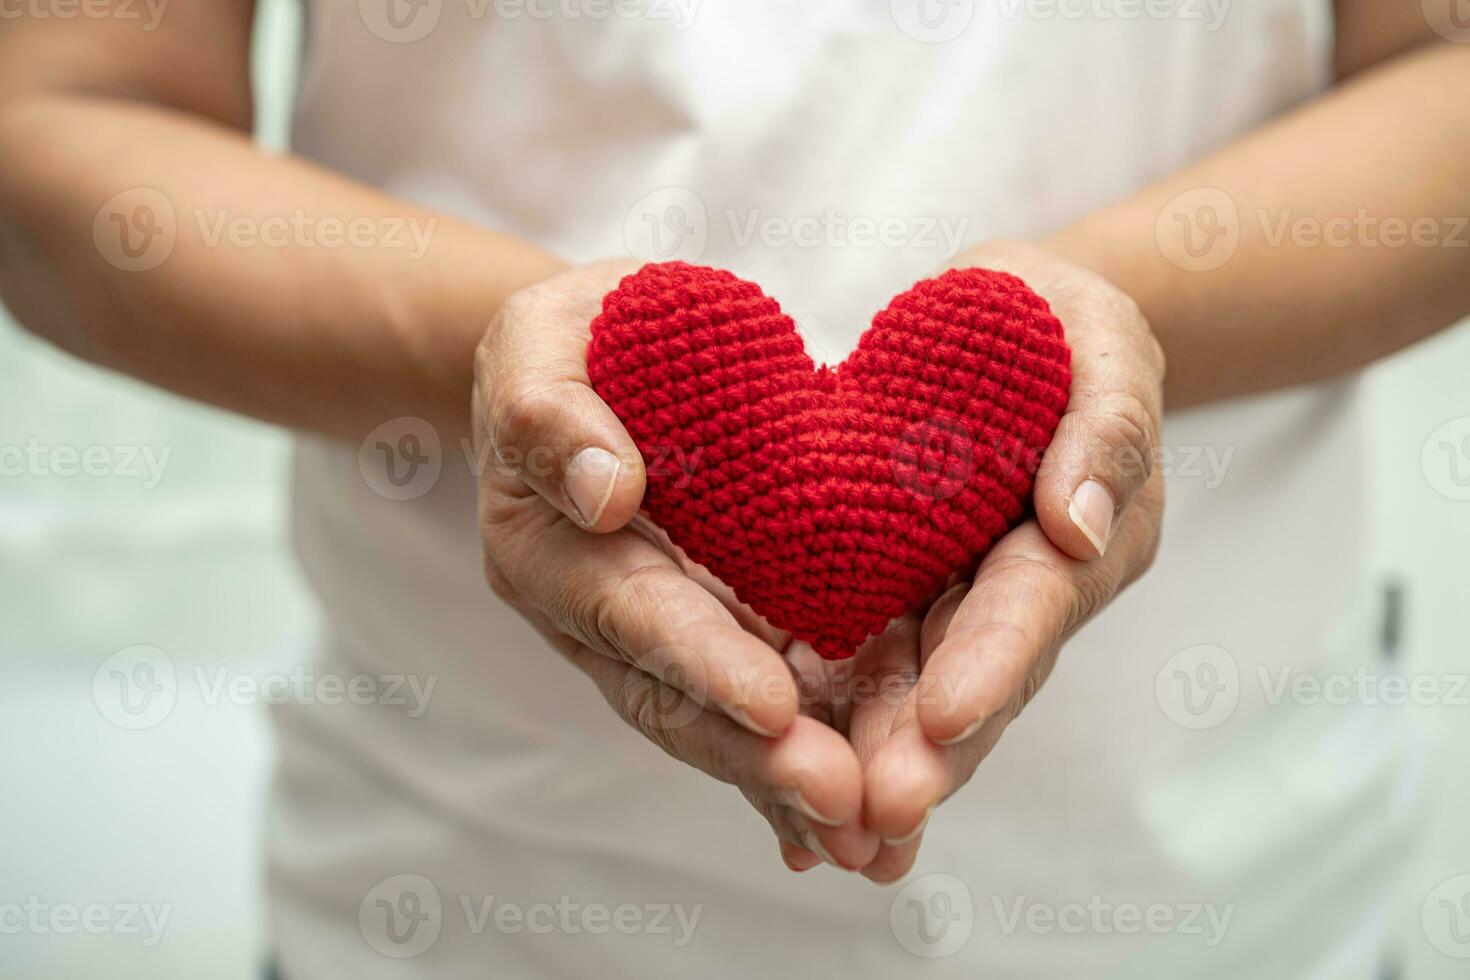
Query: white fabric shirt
pixel 1151 814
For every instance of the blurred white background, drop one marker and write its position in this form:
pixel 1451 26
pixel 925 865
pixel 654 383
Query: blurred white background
pixel 198 565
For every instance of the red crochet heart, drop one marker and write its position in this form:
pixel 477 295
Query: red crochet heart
pixel 832 500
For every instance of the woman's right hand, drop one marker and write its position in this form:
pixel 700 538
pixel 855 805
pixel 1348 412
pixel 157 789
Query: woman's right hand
pixel 560 486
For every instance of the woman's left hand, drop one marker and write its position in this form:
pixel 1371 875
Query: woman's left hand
pixel 925 702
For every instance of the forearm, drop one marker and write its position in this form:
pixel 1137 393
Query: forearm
pixel 1363 164
pixel 291 293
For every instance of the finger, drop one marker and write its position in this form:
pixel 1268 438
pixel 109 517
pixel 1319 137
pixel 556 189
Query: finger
pixel 1023 599
pixel 620 596
pixel 893 861
pixel 798 858
pixel 902 784
pixel 744 615
pixel 992 649
pixel 850 847
pixel 543 421
pixel 814 684
pixel 886 670
pixel 911 776
pixel 810 768
pixel 882 700
pixel 1001 640
pixel 1103 450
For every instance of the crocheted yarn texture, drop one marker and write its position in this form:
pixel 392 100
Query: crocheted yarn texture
pixel 832 500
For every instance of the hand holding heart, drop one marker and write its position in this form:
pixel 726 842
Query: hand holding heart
pixel 811 507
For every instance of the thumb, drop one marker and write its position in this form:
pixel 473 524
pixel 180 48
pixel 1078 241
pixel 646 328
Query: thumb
pixel 536 408
pixel 1102 453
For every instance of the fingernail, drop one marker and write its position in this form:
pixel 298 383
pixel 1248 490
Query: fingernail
pixel 803 867
pixel 809 811
pixel 591 476
pixel 1092 509
pixel 811 843
pixel 969 730
pixel 897 841
pixel 744 720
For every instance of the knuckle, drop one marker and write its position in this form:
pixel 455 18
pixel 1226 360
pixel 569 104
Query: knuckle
pixel 1030 686
pixel 637 700
pixel 500 512
pixel 1095 591
pixel 522 427
pixel 1017 656
pixel 1041 581
pixel 640 594
pixel 519 307
pixel 1037 579
pixel 508 510
pixel 579 610
pixel 1133 418
pixel 1124 424
pixel 515 415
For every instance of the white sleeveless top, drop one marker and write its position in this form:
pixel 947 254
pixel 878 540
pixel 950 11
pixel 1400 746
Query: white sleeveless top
pixel 1151 814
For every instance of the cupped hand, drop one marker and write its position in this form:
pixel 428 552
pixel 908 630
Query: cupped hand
pixel 670 650
pixel 841 775
pixel 952 681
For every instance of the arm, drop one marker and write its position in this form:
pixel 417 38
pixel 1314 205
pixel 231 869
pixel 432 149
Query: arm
pixel 333 339
pixel 1395 140
pixel 340 339
pixel 1392 142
